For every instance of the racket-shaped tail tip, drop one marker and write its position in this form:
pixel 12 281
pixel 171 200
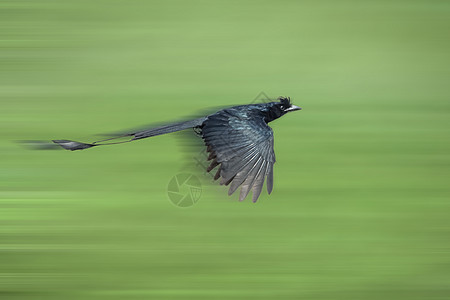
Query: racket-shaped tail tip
pixel 72 145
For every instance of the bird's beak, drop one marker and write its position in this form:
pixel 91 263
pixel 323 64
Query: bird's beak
pixel 293 108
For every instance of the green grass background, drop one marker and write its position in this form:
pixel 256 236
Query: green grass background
pixel 360 207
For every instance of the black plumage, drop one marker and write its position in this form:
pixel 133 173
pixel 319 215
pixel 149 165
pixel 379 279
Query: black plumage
pixel 238 140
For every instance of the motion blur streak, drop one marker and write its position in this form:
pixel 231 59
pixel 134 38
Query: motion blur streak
pixel 360 206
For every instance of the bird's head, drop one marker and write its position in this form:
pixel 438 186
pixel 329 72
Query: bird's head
pixel 280 108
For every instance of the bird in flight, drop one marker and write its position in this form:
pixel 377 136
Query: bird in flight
pixel 238 140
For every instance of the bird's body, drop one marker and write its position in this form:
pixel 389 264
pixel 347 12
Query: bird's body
pixel 238 139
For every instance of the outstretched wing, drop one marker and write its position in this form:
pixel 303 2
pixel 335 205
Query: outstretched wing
pixel 243 148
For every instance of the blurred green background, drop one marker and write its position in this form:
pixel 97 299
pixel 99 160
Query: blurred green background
pixel 360 207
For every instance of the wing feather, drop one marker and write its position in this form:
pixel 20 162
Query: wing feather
pixel 242 145
pixel 270 180
pixel 250 178
pixel 259 181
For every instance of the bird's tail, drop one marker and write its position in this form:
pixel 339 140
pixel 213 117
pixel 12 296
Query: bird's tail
pixel 137 135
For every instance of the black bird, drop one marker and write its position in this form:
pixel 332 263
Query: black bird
pixel 238 140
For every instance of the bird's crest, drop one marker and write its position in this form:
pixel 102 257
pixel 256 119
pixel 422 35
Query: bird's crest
pixel 285 101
